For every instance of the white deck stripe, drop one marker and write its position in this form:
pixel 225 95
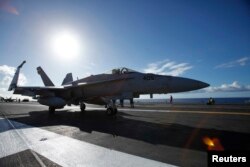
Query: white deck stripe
pixel 64 150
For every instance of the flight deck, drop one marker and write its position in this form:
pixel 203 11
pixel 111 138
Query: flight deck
pixel 147 135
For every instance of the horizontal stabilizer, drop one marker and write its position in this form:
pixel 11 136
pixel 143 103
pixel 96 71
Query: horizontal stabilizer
pixel 45 78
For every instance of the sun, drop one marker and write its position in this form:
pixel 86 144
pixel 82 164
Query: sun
pixel 65 45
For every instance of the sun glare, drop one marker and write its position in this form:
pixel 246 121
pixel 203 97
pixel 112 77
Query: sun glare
pixel 65 45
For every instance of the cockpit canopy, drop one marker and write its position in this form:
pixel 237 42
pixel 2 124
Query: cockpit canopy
pixel 121 70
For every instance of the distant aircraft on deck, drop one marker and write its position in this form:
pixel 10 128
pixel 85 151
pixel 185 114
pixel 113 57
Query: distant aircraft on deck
pixel 103 89
pixel 7 99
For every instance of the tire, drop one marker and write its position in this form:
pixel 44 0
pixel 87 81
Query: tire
pixel 52 110
pixel 82 107
pixel 110 111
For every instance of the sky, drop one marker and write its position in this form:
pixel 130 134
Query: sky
pixel 204 40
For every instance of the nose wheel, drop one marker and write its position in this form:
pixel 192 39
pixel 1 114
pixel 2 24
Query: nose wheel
pixel 111 111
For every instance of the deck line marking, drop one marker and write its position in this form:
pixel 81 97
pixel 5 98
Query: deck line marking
pixel 64 150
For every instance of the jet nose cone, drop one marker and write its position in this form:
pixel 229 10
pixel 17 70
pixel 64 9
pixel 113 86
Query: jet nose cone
pixel 202 85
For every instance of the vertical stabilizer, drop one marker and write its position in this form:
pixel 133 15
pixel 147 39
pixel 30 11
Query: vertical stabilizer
pixel 14 81
pixel 45 78
pixel 68 79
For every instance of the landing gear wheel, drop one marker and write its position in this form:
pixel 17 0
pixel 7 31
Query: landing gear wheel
pixel 52 110
pixel 82 107
pixel 111 111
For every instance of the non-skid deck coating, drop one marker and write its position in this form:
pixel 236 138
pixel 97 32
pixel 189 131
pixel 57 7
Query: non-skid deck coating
pixel 135 137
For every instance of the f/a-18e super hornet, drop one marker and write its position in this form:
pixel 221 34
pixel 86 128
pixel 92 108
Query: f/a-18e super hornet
pixel 7 99
pixel 102 89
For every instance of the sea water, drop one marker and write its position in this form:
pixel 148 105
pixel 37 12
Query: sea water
pixel 232 100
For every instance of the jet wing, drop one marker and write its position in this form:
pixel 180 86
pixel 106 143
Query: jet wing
pixel 51 90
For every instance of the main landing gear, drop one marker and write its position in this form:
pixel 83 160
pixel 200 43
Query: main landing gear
pixel 111 108
pixel 52 110
pixel 111 111
pixel 82 107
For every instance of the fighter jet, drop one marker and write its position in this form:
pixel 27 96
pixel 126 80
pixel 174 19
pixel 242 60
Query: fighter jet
pixel 2 99
pixel 102 89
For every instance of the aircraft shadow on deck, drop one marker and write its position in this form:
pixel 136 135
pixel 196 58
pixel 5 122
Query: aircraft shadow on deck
pixel 175 135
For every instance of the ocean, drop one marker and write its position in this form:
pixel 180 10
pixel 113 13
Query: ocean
pixel 232 100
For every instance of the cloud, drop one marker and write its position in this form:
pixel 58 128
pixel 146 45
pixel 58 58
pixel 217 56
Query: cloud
pixel 240 62
pixel 3 89
pixel 90 66
pixel 8 72
pixel 167 67
pixel 233 87
pixel 6 80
